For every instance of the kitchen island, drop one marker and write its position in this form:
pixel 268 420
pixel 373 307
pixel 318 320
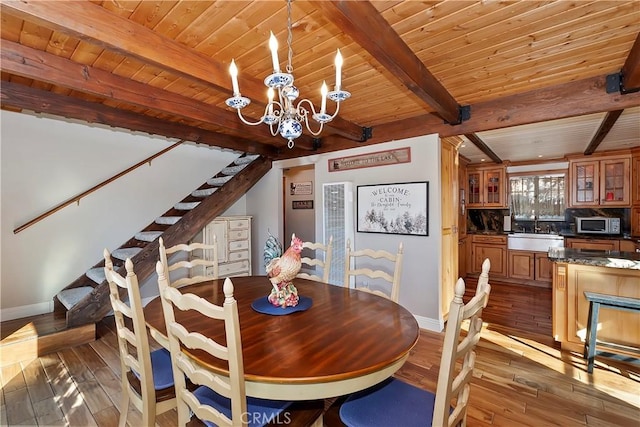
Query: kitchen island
pixel 605 272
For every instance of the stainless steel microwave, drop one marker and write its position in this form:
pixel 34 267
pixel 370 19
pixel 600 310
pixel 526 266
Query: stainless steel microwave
pixel 598 225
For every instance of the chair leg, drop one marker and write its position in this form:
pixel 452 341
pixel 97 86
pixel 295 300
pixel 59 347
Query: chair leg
pixel 124 408
pixel 592 331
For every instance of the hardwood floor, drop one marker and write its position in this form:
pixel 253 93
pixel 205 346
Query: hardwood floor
pixel 521 377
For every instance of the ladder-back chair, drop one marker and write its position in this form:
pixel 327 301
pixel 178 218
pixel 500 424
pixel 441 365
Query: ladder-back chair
pixel 369 264
pixel 220 399
pixel 324 263
pixel 188 266
pixel 146 377
pixel 395 402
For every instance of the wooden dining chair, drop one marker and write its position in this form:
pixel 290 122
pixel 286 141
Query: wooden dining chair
pixel 219 400
pixel 368 267
pixel 146 377
pixel 395 402
pixel 188 264
pixel 324 263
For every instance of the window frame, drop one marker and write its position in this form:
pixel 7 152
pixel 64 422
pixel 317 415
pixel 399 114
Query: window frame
pixel 540 174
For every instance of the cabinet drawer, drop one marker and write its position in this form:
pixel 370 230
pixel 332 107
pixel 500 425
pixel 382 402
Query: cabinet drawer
pixel 238 234
pixel 238 245
pixel 239 224
pixel 234 268
pixel 496 240
pixel 237 256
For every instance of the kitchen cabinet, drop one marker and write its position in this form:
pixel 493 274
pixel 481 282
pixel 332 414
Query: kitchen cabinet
pixel 530 266
pixel 492 247
pixel 571 309
pixel 601 182
pixel 592 243
pixel 486 187
pixel 233 236
pixel 628 245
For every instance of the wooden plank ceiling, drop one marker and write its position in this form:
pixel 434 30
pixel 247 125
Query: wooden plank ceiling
pixel 412 67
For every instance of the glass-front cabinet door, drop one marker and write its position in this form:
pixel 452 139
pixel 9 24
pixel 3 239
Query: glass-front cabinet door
pixel 494 188
pixel 614 182
pixel 584 183
pixel 474 192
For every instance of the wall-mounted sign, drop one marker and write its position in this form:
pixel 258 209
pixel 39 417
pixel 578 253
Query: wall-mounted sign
pixel 301 188
pixel 379 158
pixel 400 208
pixel 302 204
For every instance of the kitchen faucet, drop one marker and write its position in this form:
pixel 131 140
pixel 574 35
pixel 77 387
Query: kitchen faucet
pixel 535 224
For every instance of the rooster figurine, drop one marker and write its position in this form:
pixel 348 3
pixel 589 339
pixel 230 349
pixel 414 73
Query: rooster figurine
pixel 281 270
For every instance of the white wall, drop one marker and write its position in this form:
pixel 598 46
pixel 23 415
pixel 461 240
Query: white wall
pixel 422 260
pixel 45 162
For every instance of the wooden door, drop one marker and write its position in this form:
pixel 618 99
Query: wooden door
pixel 521 265
pixel 497 255
pixel 544 268
pixel 449 210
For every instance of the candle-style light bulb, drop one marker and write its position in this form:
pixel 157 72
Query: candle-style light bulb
pixel 233 70
pixel 270 95
pixel 323 91
pixel 338 70
pixel 273 45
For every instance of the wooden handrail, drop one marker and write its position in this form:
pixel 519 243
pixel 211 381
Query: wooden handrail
pixel 94 188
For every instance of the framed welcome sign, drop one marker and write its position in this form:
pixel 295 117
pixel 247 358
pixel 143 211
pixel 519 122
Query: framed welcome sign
pixel 400 208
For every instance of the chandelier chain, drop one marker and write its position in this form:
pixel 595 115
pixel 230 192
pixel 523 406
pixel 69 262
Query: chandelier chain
pixel 289 39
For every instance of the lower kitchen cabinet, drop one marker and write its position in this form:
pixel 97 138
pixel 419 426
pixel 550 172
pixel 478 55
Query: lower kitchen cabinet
pixel 530 266
pixel 592 243
pixel 492 247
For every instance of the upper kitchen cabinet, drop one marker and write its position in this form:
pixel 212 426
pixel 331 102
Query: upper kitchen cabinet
pixel 600 181
pixel 486 187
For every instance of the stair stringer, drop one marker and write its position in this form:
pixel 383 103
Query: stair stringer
pixel 94 306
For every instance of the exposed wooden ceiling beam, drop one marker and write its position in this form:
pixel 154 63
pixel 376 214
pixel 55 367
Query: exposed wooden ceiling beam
pixel 631 67
pixel 95 24
pixel 606 125
pixel 572 99
pixel 482 146
pixel 43 66
pixel 361 21
pixel 42 101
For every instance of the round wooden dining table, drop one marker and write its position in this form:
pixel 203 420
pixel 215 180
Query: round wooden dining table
pixel 346 341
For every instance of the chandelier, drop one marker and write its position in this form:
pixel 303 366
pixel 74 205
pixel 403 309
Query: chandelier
pixel 282 114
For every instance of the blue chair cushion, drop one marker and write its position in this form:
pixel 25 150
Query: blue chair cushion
pixel 259 411
pixel 162 370
pixel 390 403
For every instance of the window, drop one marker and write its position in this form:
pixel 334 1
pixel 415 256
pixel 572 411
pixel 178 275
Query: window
pixel 541 196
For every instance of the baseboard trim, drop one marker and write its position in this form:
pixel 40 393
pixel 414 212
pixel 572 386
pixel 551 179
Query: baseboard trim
pixel 429 324
pixel 19 312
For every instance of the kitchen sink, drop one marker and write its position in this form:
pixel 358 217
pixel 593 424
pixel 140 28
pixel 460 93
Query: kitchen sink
pixel 534 241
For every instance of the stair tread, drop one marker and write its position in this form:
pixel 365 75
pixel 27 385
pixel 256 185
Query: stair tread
pixel 96 274
pixel 232 170
pixel 219 180
pixel 70 297
pixel 204 192
pixel 167 220
pixel 148 236
pixel 185 206
pixel 246 159
pixel 124 253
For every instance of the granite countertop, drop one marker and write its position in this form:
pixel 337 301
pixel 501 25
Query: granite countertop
pixel 614 259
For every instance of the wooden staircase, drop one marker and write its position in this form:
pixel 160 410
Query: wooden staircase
pixel 86 300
